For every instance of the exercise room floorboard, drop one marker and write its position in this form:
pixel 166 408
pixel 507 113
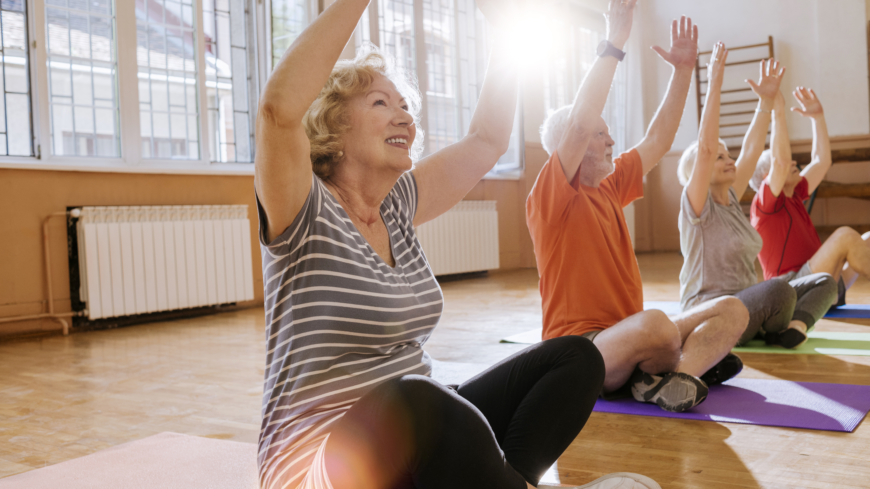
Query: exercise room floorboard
pixel 64 397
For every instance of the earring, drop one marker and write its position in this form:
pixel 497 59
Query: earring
pixel 340 154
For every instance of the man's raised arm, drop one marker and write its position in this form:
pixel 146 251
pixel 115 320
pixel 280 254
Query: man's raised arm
pixel 663 128
pixel 592 95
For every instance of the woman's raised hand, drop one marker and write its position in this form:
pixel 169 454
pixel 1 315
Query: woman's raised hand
pixel 619 16
pixel 716 66
pixel 809 103
pixel 769 81
pixel 684 44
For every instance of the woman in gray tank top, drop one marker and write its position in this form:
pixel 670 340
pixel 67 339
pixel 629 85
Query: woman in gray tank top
pixel 718 242
pixel 350 299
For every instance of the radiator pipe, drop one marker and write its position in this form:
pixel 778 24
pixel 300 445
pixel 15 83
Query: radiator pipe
pixel 59 317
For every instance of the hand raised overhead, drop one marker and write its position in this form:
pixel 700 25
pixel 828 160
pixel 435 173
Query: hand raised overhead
pixel 684 44
pixel 809 103
pixel 716 66
pixel 619 16
pixel 769 80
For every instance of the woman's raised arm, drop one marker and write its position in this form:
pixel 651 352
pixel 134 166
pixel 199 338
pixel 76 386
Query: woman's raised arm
pixel 708 135
pixel 282 171
pixel 766 89
pixel 822 158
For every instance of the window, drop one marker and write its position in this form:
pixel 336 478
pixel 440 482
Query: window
pixel 166 56
pixel 228 72
pixel 288 19
pixel 16 135
pixel 570 63
pixel 82 77
pixel 445 43
pixel 181 95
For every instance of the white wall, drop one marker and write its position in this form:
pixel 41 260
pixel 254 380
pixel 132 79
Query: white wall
pixel 822 43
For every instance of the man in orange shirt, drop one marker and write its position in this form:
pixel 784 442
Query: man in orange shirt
pixel 590 282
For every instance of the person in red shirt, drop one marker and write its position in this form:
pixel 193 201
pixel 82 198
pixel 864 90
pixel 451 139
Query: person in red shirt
pixel 792 248
pixel 589 278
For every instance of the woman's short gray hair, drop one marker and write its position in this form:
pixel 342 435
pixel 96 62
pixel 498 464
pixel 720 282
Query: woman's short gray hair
pixel 553 128
pixel 761 170
pixel 687 162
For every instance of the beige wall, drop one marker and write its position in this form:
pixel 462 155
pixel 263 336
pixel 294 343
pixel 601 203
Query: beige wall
pixel 27 196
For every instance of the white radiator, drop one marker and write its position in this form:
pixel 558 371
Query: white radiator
pixel 138 260
pixel 463 239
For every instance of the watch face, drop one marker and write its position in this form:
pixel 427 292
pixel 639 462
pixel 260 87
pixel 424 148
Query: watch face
pixel 602 47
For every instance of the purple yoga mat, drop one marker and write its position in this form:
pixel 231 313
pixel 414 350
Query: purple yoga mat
pixel 808 405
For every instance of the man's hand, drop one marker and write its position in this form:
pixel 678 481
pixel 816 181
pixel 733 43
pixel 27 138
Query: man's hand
pixel 768 83
pixel 684 45
pixel 619 17
pixel 809 103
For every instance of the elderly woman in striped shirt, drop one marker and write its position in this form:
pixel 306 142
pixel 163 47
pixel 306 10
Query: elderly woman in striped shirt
pixel 350 298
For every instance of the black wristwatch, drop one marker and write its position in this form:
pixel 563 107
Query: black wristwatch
pixel 605 48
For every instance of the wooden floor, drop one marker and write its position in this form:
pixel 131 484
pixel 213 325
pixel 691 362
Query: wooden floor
pixel 64 397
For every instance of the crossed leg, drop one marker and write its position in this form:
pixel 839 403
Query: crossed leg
pixel 691 342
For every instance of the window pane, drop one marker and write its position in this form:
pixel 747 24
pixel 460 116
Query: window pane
pixel 289 19
pixel 228 80
pixel 168 87
pixel 83 78
pixel 396 28
pixel 16 135
pixel 443 124
pixel 473 48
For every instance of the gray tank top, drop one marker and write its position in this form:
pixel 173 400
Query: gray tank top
pixel 719 249
pixel 339 321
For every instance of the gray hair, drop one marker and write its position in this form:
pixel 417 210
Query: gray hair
pixel 553 128
pixel 761 170
pixel 687 162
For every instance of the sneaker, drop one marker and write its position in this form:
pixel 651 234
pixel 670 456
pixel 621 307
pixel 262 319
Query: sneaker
pixel 727 368
pixel 617 480
pixel 674 392
pixel 790 338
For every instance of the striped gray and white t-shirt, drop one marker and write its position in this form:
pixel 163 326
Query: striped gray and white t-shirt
pixel 339 321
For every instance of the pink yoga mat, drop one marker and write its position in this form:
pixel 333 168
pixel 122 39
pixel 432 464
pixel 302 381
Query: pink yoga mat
pixel 808 405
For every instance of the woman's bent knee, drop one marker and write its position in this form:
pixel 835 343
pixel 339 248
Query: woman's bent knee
pixel 577 349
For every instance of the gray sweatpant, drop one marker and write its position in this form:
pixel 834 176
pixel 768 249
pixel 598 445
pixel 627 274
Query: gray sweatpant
pixel 774 303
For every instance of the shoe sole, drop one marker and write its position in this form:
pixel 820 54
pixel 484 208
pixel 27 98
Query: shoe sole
pixel 651 484
pixel 673 386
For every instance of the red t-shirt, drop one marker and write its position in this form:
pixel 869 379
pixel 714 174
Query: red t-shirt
pixel 589 274
pixel 790 239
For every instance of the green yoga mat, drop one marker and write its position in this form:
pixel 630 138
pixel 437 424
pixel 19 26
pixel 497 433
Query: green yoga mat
pixel 819 343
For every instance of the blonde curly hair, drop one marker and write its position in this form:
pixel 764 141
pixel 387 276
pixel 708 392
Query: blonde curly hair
pixel 327 119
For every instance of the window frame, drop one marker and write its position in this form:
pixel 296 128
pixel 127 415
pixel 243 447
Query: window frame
pixel 131 159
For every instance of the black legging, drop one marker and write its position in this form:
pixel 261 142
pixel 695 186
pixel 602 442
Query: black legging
pixel 504 427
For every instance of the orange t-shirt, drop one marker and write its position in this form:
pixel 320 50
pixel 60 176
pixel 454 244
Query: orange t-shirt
pixel 589 274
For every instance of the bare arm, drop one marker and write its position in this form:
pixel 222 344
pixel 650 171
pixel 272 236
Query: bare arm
pixel 812 108
pixel 780 149
pixel 766 89
pixel 708 135
pixel 282 169
pixel 446 176
pixel 663 128
pixel 592 95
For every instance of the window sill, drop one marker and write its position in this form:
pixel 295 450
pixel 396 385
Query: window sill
pixel 118 166
pixel 505 175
